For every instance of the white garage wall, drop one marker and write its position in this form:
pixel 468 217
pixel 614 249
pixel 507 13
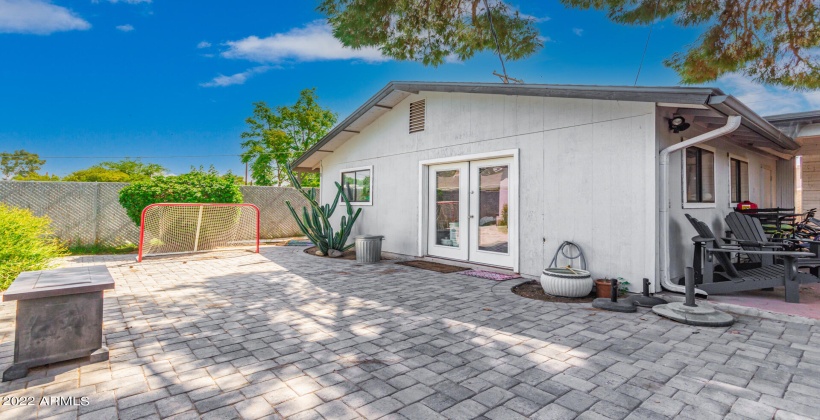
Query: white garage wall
pixel 587 171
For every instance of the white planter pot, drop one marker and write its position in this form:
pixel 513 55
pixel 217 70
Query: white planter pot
pixel 565 282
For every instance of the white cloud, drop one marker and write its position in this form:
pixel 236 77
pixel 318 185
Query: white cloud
pixel 235 79
pixel 536 19
pixel 467 9
pixel 813 98
pixel 578 31
pixel 452 59
pixel 314 42
pixel 125 28
pixel 38 17
pixel 768 100
pixel 203 44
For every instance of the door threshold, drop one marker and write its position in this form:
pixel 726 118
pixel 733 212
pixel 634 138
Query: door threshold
pixel 468 264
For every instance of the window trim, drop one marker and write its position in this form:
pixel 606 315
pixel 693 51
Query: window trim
pixel 731 156
pixel 355 169
pixel 684 200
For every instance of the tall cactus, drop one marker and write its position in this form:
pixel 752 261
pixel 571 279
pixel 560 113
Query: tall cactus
pixel 316 225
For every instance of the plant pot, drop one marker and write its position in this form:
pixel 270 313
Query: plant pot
pixel 603 288
pixel 566 282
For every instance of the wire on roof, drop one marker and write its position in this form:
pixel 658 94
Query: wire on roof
pixel 646 46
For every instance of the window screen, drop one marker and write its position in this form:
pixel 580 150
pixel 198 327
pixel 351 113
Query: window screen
pixel 356 185
pixel 700 175
pixel 740 180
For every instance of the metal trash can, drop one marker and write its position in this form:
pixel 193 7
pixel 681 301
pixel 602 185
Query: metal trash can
pixel 368 248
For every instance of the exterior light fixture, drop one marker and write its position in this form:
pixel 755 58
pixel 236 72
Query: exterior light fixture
pixel 678 124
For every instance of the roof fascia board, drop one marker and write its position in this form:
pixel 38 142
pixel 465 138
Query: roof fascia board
pixel 794 117
pixel 684 95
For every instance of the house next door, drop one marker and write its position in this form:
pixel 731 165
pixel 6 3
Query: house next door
pixel 469 208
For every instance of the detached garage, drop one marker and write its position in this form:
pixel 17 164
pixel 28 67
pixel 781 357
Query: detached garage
pixel 500 175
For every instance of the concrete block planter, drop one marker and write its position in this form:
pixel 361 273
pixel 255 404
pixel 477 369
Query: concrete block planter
pixel 566 282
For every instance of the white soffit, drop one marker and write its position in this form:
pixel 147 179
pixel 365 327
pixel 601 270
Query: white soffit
pixel 394 97
pixel 368 117
pixel 674 105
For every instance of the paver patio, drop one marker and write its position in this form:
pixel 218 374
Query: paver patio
pixel 285 334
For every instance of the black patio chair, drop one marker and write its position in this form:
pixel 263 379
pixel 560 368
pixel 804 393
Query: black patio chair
pixel 731 279
pixel 750 235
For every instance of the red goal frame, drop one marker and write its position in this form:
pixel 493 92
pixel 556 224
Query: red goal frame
pixel 203 205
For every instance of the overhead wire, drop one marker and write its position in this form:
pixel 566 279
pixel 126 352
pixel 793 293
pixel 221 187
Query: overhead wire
pixel 497 44
pixel 646 46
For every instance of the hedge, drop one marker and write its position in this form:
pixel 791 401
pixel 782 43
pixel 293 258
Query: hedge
pixel 197 186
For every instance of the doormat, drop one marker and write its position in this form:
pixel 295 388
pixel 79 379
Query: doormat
pixel 299 243
pixel 490 275
pixel 427 265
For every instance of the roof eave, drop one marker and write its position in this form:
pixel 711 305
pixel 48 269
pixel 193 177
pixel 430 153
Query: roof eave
pixel 713 97
pixel 730 105
pixel 375 99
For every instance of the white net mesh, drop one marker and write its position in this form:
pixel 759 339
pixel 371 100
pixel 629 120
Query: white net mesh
pixel 176 228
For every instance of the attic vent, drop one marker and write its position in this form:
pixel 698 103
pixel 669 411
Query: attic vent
pixel 417 116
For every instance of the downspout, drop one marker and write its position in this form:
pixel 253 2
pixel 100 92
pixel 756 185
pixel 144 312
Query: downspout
pixel 732 123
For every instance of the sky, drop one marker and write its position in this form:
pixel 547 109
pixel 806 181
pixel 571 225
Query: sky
pixel 172 81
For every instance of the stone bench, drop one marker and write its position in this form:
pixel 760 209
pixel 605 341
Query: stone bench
pixel 59 317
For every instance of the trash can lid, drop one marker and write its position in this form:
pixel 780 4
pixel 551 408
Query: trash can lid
pixel 369 237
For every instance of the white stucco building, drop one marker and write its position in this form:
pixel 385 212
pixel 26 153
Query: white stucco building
pixel 501 175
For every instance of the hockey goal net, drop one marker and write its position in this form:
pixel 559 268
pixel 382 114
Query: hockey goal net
pixel 178 228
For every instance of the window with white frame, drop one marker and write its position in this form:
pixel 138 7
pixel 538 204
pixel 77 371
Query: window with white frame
pixel 699 176
pixel 357 185
pixel 739 178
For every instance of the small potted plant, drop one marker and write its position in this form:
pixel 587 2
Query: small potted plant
pixel 623 287
pixel 603 288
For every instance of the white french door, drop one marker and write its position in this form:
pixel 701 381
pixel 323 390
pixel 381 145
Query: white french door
pixel 490 212
pixel 448 197
pixel 470 211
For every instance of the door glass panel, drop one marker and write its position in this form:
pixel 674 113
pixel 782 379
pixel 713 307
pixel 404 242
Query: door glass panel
pixel 493 208
pixel 447 208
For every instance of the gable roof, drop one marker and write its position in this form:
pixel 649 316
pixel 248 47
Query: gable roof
pixel 395 92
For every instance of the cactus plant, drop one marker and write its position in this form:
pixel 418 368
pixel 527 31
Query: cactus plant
pixel 316 225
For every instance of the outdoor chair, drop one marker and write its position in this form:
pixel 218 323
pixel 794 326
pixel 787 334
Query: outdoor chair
pixel 750 235
pixel 728 278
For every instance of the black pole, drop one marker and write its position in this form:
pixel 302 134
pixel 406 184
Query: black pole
pixel 689 280
pixel 646 287
pixel 613 293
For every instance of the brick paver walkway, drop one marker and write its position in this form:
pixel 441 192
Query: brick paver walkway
pixel 284 334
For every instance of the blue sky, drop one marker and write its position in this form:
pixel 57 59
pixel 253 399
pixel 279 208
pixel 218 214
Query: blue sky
pixel 173 80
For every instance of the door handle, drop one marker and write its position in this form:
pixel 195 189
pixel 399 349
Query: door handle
pixel 472 216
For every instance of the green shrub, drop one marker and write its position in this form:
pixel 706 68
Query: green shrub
pixel 197 186
pixel 26 243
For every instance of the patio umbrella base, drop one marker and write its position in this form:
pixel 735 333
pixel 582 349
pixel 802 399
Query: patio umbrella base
pixel 701 316
pixel 624 305
pixel 648 301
